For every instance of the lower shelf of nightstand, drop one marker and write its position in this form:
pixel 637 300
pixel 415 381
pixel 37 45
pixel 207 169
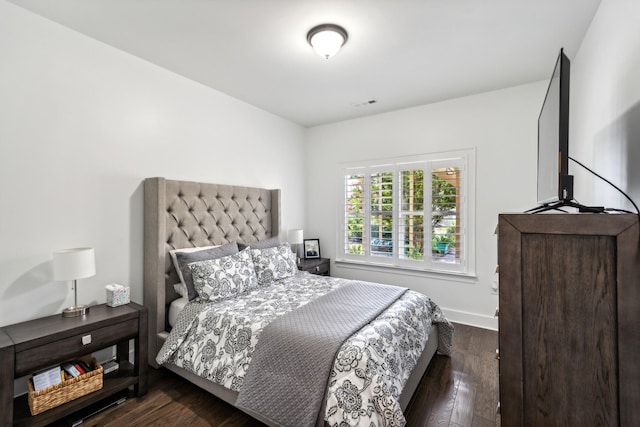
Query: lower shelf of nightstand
pixel 112 383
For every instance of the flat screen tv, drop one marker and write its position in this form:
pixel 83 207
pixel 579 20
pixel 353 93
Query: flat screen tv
pixel 555 185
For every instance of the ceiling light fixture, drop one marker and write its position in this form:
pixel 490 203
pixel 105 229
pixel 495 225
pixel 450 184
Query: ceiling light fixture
pixel 327 39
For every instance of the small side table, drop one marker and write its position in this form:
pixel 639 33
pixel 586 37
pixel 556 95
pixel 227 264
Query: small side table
pixel 29 346
pixel 319 266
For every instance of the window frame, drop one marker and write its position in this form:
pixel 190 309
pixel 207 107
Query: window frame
pixel 464 159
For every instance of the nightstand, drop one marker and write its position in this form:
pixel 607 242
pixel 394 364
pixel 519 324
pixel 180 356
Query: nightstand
pixel 319 266
pixel 36 344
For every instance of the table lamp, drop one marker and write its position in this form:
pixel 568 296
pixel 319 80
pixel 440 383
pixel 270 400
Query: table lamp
pixel 295 238
pixel 74 264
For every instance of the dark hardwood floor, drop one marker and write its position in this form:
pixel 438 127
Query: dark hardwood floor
pixel 458 391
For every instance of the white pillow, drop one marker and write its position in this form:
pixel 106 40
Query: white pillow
pixel 224 278
pixel 275 263
pixel 181 289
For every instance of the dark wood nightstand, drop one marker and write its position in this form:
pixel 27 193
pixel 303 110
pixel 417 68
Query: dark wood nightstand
pixel 319 266
pixel 36 344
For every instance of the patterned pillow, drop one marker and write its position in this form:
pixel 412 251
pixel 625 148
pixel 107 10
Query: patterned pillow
pixel 274 263
pixel 224 278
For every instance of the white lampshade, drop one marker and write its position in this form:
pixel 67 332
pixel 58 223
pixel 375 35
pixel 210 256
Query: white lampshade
pixel 295 236
pixel 327 39
pixel 75 263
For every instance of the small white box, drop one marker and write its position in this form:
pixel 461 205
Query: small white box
pixel 117 295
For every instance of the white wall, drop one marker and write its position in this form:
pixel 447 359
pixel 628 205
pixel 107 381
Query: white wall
pixel 81 125
pixel 605 106
pixel 501 125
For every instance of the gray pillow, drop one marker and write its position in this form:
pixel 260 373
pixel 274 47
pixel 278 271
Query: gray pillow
pixel 261 244
pixel 186 258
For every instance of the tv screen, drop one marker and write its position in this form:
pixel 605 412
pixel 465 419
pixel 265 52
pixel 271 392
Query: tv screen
pixel 554 182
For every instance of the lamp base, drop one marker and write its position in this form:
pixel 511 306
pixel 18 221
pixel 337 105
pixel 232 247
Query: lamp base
pixel 76 310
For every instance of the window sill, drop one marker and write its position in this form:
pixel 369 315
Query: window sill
pixel 408 271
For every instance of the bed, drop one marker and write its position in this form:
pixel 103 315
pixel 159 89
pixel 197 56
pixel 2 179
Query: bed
pixel 183 214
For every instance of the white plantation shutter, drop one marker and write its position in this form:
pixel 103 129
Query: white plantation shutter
pixel 413 242
pixel 411 213
pixel 381 213
pixel 448 219
pixel 353 214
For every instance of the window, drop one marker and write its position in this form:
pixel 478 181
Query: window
pixel 410 212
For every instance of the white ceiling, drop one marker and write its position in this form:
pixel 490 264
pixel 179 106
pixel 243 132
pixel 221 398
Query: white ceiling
pixel 400 53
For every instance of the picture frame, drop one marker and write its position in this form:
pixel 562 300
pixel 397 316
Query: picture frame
pixel 311 248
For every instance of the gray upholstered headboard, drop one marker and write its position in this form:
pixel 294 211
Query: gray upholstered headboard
pixel 182 214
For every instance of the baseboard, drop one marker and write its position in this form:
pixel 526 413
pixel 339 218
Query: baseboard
pixel 472 319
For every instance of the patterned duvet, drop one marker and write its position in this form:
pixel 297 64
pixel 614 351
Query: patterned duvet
pixel 215 340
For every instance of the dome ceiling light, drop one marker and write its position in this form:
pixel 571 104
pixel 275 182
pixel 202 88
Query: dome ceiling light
pixel 327 39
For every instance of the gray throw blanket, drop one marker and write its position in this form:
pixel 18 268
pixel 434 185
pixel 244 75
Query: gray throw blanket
pixel 287 379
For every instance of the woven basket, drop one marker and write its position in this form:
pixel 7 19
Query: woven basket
pixel 56 395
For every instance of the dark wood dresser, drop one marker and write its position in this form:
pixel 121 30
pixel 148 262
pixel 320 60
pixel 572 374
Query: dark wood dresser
pixel 569 323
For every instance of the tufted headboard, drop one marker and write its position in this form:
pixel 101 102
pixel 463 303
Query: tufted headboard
pixel 182 214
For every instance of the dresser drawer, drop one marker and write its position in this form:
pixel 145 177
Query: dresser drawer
pixel 54 352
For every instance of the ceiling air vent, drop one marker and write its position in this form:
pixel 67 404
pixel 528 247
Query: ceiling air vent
pixel 364 103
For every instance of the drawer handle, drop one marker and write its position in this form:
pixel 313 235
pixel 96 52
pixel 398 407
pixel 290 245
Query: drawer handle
pixel 86 339
pixel 497 354
pixel 317 268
